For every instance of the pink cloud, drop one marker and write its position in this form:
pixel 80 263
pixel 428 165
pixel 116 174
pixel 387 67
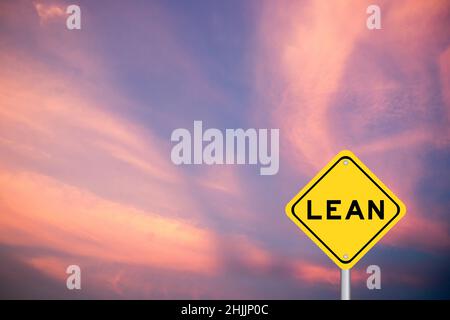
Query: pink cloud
pixel 48 12
pixel 420 233
pixel 51 266
pixel 71 220
pixel 307 48
pixel 312 273
pixel 105 164
pixel 444 68
pixel 52 124
pixel 78 177
pixel 100 163
pixel 307 57
pixel 316 53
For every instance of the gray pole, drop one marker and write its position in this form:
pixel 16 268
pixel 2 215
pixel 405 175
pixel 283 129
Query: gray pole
pixel 345 284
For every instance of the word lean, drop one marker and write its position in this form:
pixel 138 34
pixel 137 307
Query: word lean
pixel 353 210
pixel 239 146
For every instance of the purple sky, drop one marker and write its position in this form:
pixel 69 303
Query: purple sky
pixel 85 124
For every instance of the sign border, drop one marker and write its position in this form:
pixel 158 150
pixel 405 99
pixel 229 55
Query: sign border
pixel 348 155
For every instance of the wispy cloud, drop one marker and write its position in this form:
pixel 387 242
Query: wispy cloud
pixel 49 11
pixel 85 120
pixel 332 84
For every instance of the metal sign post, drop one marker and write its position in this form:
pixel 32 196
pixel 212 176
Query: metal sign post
pixel 345 284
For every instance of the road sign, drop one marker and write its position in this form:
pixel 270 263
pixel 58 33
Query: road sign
pixel 345 209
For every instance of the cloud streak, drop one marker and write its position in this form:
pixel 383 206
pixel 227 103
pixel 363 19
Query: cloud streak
pixel 85 122
pixel 336 85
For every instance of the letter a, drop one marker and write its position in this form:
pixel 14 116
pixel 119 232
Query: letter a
pixel 374 280
pixel 74 280
pixel 213 152
pixel 74 20
pixel 374 20
pixel 181 152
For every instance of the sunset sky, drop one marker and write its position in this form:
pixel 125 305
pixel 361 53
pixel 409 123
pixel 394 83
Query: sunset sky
pixel 86 118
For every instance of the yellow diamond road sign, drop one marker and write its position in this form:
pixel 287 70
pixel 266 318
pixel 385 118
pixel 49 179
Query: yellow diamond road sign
pixel 345 209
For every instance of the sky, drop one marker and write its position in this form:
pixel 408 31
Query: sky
pixel 85 123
